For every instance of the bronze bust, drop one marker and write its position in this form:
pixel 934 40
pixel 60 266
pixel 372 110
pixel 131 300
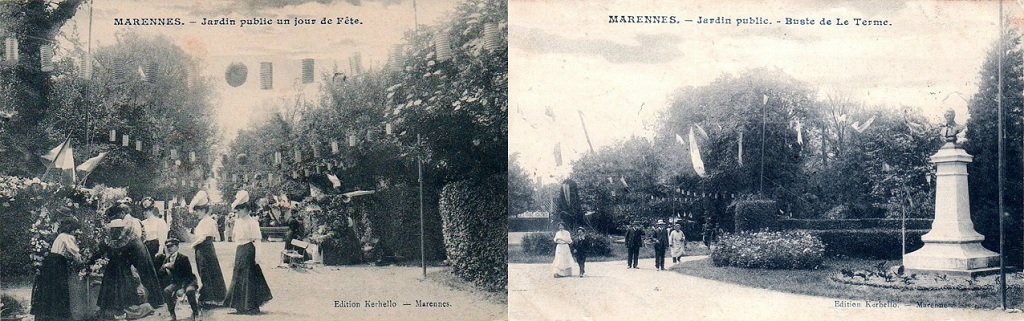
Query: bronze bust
pixel 950 130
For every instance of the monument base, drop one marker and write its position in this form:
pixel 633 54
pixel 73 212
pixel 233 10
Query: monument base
pixel 952 258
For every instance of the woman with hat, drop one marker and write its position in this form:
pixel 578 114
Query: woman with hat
pixel 51 299
pixel 563 263
pixel 677 242
pixel 249 289
pixel 207 264
pixel 137 253
pixel 118 287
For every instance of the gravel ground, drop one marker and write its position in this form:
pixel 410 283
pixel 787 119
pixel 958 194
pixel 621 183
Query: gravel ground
pixel 612 292
pixel 311 294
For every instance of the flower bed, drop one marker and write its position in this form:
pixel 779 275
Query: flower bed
pixel 769 250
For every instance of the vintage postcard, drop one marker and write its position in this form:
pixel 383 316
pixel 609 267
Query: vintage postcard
pixel 765 160
pixel 263 160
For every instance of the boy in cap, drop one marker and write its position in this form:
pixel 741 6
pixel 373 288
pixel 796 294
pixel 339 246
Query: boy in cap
pixel 581 247
pixel 176 275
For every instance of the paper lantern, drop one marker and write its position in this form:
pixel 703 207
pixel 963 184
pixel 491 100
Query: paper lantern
pixel 306 171
pixel 277 158
pixel 46 58
pixel 174 153
pixel 298 155
pixel 113 135
pixel 351 140
pixel 442 46
pixel 11 50
pixel 355 63
pixel 117 70
pixel 334 147
pixel 330 166
pixel 307 70
pixel 266 75
pixel 156 150
pixel 388 130
pixel 138 145
pixel 125 140
pixel 151 70
pixel 397 59
pixel 236 74
pixel 192 157
pixel 491 36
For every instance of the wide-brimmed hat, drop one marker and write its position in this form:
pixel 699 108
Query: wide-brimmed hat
pixel 115 223
pixel 240 198
pixel 202 199
pixel 171 241
pixel 660 222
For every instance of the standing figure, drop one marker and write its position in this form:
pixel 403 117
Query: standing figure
pixel 221 219
pixel 563 257
pixel 154 228
pixel 581 247
pixel 176 271
pixel 213 290
pixel 249 289
pixel 634 240
pixel 118 287
pixel 138 255
pixel 660 239
pixel 677 242
pixel 51 298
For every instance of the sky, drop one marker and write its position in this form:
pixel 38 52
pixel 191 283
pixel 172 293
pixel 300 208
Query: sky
pixel 384 23
pixel 567 58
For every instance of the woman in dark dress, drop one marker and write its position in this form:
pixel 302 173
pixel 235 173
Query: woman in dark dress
pixel 213 289
pixel 249 289
pixel 137 254
pixel 51 298
pixel 118 290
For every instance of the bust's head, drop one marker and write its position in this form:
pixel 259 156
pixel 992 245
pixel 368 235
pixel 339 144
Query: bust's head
pixel 950 116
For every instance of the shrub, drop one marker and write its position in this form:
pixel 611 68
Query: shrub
pixel 10 307
pixel 528 224
pixel 868 243
pixel 539 243
pixel 475 228
pixel 752 215
pixel 839 212
pixel 850 224
pixel 600 245
pixel 769 250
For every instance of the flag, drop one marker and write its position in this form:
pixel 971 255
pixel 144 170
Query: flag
pixel 799 132
pixel 698 164
pixel 860 128
pixel 558 154
pixel 266 75
pixel 622 179
pixel 680 140
pixel 315 192
pixel 307 70
pixel 62 157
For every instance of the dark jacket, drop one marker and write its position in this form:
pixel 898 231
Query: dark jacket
pixel 660 239
pixel 581 245
pixel 179 273
pixel 634 238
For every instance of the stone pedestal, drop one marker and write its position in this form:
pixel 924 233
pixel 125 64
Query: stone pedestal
pixel 952 246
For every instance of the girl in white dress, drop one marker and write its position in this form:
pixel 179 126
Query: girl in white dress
pixel 563 256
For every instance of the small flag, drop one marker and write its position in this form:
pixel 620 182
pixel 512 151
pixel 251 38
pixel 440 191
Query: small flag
pixel 62 157
pixel 680 140
pixel 90 164
pixel 622 179
pixel 610 181
pixel 266 75
pixel 307 70
pixel 698 164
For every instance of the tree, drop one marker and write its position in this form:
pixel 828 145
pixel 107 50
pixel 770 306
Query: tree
pixel 520 189
pixel 982 135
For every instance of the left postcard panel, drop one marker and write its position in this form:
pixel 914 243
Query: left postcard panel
pixel 237 160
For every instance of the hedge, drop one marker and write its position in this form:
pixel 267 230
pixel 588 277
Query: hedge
pixel 769 250
pixel 753 215
pixel 850 224
pixel 539 243
pixel 475 229
pixel 868 243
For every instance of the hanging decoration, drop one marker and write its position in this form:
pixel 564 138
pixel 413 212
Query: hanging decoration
pixel 138 145
pixel 266 75
pixel 491 37
pixel 558 154
pixel 191 157
pixel 316 151
pixel 307 70
pixel 698 163
pixel 125 140
pixel 236 74
pixel 277 158
pixel 442 46
pixel 113 135
pixel 388 130
pixel 739 150
pixel 351 140
pixel 46 58
pixel 397 59
pixel 334 147
pixel 355 63
pixel 11 50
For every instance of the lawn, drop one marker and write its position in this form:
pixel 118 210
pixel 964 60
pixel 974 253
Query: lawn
pixel 516 254
pixel 817 283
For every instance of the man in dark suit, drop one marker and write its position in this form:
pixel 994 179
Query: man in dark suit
pixel 660 244
pixel 634 240
pixel 581 247
pixel 176 275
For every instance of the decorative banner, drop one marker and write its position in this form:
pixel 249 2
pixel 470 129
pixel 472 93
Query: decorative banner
pixel 125 140
pixel 334 147
pixel 46 58
pixel 11 50
pixel 113 135
pixel 351 140
pixel 442 46
pixel 266 75
pixel 491 37
pixel 236 74
pixel 138 145
pixel 307 70
pixel 698 163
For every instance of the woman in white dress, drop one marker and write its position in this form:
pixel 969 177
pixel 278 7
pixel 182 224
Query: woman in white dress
pixel 563 256
pixel 677 243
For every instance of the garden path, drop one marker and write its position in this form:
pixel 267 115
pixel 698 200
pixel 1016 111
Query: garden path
pixel 612 292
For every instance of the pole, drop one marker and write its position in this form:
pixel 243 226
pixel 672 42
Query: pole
pixel 419 169
pixel 1002 165
pixel 88 63
pixel 764 122
pixel 585 133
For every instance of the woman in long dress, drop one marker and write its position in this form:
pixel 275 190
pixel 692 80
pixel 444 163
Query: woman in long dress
pixel 677 243
pixel 138 255
pixel 563 256
pixel 213 288
pixel 51 298
pixel 249 289
pixel 118 287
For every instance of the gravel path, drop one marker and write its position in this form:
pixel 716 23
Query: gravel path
pixel 311 294
pixel 612 292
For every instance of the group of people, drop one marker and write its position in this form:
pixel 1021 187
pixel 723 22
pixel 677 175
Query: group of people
pixel 569 248
pixel 145 270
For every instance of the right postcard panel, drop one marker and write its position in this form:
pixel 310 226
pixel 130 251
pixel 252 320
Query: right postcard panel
pixel 789 160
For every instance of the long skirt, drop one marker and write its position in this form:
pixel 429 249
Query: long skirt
pixel 153 247
pixel 50 293
pixel 209 273
pixel 118 289
pixel 563 263
pixel 249 289
pixel 140 259
pixel 677 250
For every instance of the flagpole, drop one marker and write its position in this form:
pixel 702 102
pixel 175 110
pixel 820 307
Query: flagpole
pixel 585 133
pixel 419 170
pixel 764 123
pixel 1002 160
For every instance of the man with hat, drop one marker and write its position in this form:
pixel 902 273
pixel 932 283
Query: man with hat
pixel 581 247
pixel 660 239
pixel 634 240
pixel 176 276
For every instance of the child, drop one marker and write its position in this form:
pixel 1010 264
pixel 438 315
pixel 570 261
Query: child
pixel 176 273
